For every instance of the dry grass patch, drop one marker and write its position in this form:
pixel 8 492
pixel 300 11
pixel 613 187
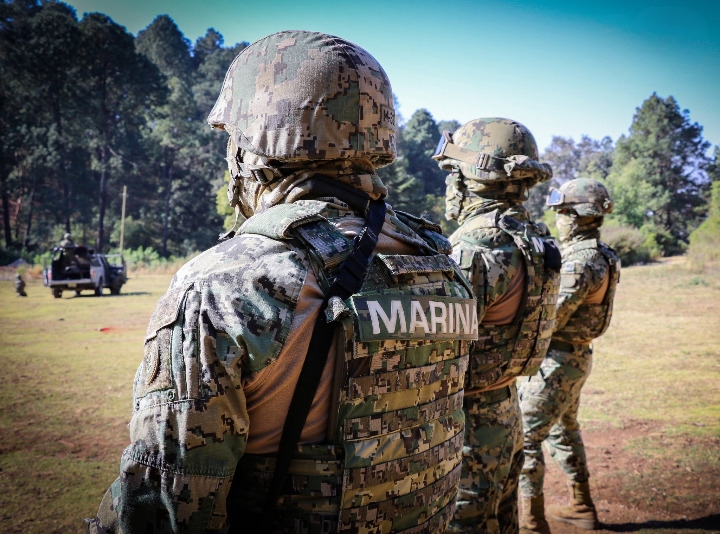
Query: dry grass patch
pixel 660 359
pixel 650 408
pixel 65 393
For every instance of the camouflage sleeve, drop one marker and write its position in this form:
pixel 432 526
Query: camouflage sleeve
pixel 188 429
pixel 490 271
pixel 502 266
pixel 577 279
pixel 472 266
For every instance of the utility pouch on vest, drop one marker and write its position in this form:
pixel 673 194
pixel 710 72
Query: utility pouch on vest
pixel 518 348
pixel 400 420
pixel 394 453
pixel 592 320
pixel 349 279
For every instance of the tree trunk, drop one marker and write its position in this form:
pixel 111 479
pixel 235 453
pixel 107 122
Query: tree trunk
pixel 66 189
pixel 104 157
pixel 166 218
pixel 28 225
pixel 102 200
pixel 5 209
pixel 66 194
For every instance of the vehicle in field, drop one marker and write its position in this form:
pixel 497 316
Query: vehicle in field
pixel 80 268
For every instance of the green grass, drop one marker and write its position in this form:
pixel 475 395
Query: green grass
pixel 68 366
pixel 65 393
pixel 660 359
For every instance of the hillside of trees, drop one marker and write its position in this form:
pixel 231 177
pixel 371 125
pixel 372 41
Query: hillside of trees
pixel 87 108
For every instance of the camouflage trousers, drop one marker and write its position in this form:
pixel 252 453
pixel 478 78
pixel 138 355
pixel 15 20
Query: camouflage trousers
pixel 492 459
pixel 549 402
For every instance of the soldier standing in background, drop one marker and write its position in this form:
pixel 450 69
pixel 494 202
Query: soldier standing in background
pixel 513 267
pixel 550 399
pixel 225 397
pixel 20 286
pixel 68 246
pixel 67 242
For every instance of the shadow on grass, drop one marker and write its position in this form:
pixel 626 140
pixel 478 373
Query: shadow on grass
pixel 710 523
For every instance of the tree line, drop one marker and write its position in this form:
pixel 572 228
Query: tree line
pixel 87 108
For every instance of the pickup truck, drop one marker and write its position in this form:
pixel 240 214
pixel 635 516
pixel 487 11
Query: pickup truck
pixel 80 268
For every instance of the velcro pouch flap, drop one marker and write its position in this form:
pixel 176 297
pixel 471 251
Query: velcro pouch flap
pixel 278 221
pixel 399 264
pixel 166 310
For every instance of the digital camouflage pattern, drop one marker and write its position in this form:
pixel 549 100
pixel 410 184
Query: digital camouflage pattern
pixel 492 459
pixel 492 164
pixel 491 248
pixel 297 105
pixel 394 463
pixel 587 197
pixel 549 402
pixel 550 399
pixel 586 265
pixel 309 117
pixel 488 158
pixel 298 96
pixel 226 314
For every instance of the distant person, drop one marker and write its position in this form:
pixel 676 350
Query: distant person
pixel 550 399
pixel 20 286
pixel 306 374
pixel 67 241
pixel 513 266
pixel 68 246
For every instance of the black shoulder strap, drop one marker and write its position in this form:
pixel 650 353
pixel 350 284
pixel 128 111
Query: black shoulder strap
pixel 351 274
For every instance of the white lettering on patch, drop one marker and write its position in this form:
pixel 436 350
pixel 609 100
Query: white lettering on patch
pixel 396 314
pixel 418 318
pixel 440 318
pixel 466 319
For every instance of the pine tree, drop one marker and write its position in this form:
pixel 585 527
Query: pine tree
pixel 660 170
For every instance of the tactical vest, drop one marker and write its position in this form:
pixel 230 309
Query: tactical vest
pixel 592 320
pixel 517 348
pixel 394 452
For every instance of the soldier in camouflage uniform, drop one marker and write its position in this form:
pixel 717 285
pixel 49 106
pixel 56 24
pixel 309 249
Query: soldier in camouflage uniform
pixel 379 448
pixel 68 246
pixel 513 267
pixel 550 399
pixel 20 286
pixel 67 241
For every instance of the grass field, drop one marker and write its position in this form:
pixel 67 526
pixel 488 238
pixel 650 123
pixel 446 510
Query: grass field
pixel 650 412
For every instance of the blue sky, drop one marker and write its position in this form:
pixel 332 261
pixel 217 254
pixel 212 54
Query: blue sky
pixel 560 67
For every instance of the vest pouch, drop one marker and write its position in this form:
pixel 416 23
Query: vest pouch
pixel 590 321
pixel 517 349
pixel 310 500
pixel 400 417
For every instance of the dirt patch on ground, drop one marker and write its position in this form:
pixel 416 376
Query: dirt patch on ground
pixel 635 492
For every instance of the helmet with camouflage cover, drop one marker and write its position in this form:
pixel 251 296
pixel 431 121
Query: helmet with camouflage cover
pixel 585 196
pixel 493 150
pixel 298 96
